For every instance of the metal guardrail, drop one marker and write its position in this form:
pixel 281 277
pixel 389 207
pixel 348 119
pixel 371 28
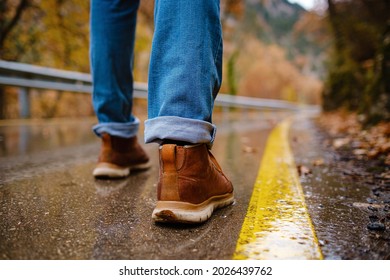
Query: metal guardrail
pixel 26 76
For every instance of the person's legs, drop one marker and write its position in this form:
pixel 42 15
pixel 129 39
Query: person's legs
pixel 113 25
pixel 185 71
pixel 184 79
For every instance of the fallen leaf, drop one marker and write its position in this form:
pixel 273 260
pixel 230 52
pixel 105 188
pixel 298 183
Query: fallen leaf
pixel 248 149
pixel 387 160
pixel 359 152
pixel 303 170
pixel 340 142
pixel 364 205
pixel 318 162
pixel 384 148
pixel 373 153
pixel 386 175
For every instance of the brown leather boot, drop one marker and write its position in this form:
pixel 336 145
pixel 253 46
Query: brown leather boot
pixel 191 185
pixel 118 156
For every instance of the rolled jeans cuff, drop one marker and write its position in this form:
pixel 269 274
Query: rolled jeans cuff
pixel 124 130
pixel 179 129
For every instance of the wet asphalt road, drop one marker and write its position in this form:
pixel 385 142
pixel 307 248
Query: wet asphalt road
pixel 52 208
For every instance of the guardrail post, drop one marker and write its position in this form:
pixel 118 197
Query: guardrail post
pixel 24 103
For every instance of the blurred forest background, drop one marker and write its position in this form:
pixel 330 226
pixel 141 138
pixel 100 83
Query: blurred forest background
pixel 336 55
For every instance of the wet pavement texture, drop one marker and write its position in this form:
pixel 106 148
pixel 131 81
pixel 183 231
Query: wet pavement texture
pixel 52 208
pixel 342 207
pixel 36 147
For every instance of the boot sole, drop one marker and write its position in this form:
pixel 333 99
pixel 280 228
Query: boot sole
pixel 109 170
pixel 184 212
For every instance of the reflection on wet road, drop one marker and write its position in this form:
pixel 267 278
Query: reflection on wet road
pixel 52 208
pixel 28 137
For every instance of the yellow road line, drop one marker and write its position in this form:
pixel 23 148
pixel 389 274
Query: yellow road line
pixel 277 224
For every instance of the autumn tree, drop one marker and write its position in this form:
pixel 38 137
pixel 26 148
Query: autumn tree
pixel 53 33
pixel 358 77
pixel 10 15
pixel 231 13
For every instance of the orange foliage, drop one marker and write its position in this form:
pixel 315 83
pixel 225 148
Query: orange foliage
pixel 265 72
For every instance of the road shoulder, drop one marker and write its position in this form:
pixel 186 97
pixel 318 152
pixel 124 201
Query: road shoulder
pixel 342 196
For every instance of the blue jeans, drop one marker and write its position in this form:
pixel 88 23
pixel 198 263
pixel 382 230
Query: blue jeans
pixel 185 70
